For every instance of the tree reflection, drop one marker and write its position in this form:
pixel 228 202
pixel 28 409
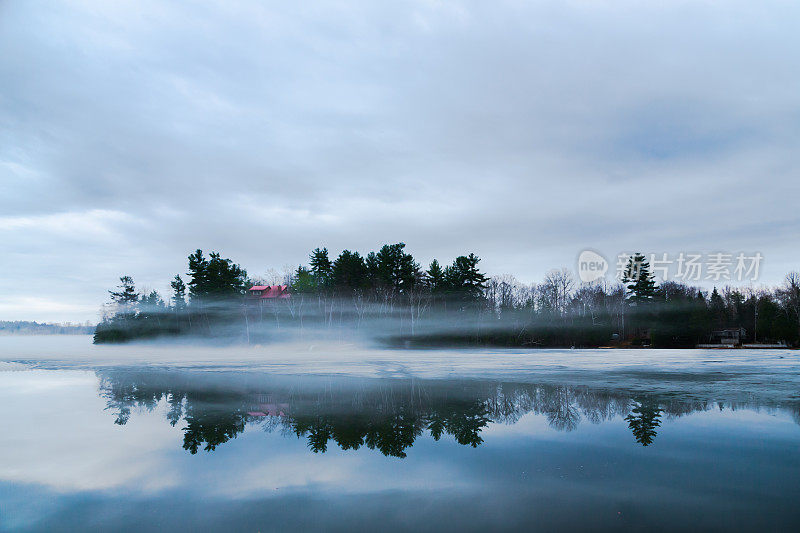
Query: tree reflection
pixel 210 425
pixel 645 417
pixel 391 433
pixel 383 415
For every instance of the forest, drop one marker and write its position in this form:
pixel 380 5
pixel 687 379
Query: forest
pixel 387 297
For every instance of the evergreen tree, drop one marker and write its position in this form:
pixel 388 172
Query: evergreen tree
pixel 303 281
pixel 321 266
pixel 394 268
pixel 215 277
pixel 638 279
pixel 151 301
pixel 126 295
pixel 373 270
pixel 435 276
pixel 117 327
pixel 198 267
pixel 224 277
pixel 349 271
pixel 716 307
pixel 463 277
pixel 178 293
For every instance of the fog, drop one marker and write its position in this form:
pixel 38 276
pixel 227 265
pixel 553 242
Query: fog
pixel 733 374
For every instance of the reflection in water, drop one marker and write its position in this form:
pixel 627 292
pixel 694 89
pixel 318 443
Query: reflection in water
pixel 644 419
pixel 383 415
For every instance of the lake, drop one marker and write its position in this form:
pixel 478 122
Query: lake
pixel 338 437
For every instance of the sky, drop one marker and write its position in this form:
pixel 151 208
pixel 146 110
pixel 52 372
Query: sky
pixel 133 133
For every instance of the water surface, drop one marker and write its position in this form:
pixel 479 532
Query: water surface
pixel 342 438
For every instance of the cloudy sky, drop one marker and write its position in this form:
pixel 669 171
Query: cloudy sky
pixel 132 133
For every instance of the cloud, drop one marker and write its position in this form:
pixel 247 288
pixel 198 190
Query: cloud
pixel 133 133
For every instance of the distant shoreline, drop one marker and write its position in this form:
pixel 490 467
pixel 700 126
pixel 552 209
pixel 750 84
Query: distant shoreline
pixel 412 346
pixel 28 327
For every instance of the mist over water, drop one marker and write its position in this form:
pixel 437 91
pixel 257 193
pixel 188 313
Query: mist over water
pixel 361 358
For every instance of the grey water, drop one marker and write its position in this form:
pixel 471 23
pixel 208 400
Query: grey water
pixel 338 437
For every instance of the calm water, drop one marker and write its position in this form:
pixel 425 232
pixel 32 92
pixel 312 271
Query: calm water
pixel 336 438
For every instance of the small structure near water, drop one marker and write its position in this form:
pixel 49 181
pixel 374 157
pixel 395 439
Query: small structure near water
pixel 725 338
pixel 268 292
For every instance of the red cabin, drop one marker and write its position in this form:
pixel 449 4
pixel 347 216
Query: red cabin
pixel 268 292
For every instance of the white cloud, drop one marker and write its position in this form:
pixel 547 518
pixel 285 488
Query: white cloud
pixel 133 133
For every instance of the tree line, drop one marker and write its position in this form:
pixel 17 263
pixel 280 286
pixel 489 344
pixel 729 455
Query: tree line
pixel 388 295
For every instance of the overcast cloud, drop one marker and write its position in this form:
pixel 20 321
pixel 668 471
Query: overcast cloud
pixel 132 133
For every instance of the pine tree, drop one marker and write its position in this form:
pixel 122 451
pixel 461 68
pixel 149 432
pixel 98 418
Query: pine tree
pixel 373 270
pixel 464 277
pixel 198 266
pixel 125 300
pixel 394 268
pixel 475 280
pixel 126 295
pixel 215 277
pixel 303 281
pixel 716 307
pixel 435 276
pixel 178 293
pixel 349 271
pixel 638 279
pixel 151 302
pixel 224 277
pixel 321 266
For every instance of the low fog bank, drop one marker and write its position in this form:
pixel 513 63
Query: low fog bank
pixel 397 325
pixel 776 371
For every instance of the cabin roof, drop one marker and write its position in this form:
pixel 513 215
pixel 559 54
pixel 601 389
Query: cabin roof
pixel 271 291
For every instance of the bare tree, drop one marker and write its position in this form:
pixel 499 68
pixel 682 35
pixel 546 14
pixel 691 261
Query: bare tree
pixel 589 300
pixel 789 295
pixel 556 290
